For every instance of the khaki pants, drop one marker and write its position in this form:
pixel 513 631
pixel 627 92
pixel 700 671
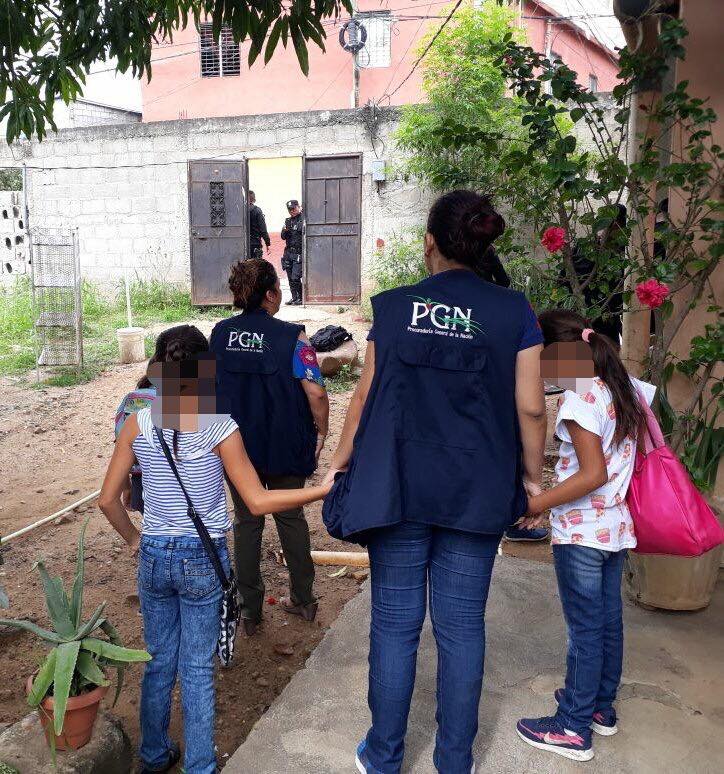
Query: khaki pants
pixel 294 536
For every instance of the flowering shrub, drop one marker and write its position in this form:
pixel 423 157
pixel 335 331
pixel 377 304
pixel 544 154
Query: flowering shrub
pixel 652 293
pixel 553 239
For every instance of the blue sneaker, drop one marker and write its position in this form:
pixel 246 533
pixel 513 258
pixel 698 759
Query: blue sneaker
pixel 604 721
pixel 549 734
pixel 360 758
pixel 517 535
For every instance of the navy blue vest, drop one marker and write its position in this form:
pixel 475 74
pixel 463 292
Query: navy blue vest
pixel 438 441
pixel 255 384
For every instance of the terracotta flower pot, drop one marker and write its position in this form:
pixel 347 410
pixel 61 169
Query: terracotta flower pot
pixel 80 717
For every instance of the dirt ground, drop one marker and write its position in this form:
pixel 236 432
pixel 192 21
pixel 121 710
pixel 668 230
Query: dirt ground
pixel 54 447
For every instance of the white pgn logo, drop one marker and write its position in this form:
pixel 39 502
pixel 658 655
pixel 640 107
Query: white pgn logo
pixel 246 341
pixel 441 316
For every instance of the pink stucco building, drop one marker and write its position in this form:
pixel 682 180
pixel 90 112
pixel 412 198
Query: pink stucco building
pixel 193 77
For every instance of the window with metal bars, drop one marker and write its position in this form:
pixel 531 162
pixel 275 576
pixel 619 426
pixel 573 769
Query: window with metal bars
pixel 218 59
pixel 377 51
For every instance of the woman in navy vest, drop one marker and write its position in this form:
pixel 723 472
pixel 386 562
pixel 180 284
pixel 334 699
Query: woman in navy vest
pixel 443 437
pixel 269 381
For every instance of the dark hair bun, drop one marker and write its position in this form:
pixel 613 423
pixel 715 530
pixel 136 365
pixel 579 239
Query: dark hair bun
pixel 464 224
pixel 482 224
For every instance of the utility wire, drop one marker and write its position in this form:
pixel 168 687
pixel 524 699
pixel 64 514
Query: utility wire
pixel 424 53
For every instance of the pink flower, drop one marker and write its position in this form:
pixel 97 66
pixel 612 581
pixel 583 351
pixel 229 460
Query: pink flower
pixel 553 238
pixel 652 293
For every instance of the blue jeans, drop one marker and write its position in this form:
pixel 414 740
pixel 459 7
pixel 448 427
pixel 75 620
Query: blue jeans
pixel 180 601
pixel 589 583
pixel 407 561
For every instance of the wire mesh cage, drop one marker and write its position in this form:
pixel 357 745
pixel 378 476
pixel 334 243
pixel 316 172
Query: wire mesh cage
pixel 57 308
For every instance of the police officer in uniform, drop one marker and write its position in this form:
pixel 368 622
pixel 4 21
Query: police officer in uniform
pixel 268 379
pixel 292 258
pixel 257 229
pixel 443 439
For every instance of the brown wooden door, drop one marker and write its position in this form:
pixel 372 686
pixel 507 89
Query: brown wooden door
pixel 332 206
pixel 218 219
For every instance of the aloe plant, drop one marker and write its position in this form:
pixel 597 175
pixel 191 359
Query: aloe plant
pixel 77 660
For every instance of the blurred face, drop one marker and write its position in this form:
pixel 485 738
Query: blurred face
pixel 186 393
pixel 569 365
pixel 294 211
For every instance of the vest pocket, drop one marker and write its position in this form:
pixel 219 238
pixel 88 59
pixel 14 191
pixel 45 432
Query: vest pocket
pixel 438 482
pixel 441 395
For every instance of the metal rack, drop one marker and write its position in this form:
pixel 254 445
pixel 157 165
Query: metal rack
pixel 57 304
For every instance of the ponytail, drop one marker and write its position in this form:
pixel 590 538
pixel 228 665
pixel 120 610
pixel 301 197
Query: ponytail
pixel 563 325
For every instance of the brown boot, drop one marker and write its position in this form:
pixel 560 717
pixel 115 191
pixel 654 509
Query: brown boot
pixel 250 626
pixel 307 612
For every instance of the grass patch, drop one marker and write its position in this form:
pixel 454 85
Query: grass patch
pixel 344 381
pixel 152 301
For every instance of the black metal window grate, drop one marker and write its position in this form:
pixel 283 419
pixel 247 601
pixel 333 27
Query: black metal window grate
pixel 220 58
pixel 217 204
pixel 209 48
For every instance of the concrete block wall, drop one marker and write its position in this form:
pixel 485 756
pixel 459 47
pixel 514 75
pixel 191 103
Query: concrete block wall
pixel 13 236
pixel 125 187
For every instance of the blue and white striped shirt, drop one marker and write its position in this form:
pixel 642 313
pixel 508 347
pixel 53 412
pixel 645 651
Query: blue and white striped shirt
pixel 202 472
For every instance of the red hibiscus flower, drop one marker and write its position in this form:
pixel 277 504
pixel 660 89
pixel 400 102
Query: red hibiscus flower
pixel 553 238
pixel 652 293
pixel 308 355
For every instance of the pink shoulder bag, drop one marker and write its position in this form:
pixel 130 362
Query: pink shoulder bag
pixel 670 516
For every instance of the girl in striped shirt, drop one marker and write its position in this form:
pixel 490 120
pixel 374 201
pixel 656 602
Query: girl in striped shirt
pixel 179 591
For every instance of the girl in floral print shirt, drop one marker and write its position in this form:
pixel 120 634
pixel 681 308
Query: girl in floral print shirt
pixel 598 425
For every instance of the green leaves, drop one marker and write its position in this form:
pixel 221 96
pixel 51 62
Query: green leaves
pixel 88 667
pixel 53 45
pixel 29 626
pixel 114 652
pixel 43 680
pixel 65 661
pixel 76 600
pixel 57 603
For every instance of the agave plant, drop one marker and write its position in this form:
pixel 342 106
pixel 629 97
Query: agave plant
pixel 78 659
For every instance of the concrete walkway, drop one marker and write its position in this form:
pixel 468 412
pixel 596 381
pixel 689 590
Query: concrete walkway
pixel 671 704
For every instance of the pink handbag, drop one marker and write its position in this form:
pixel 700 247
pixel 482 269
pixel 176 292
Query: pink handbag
pixel 670 516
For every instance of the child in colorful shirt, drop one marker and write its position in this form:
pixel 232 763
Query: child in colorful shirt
pixel 598 423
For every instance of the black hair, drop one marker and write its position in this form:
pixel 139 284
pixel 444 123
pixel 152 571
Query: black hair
pixel 182 342
pixel 249 282
pixel 563 325
pixel 464 224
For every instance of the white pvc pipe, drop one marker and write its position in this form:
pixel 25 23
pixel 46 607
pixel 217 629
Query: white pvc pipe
pixel 55 515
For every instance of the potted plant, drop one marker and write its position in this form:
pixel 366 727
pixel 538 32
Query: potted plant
pixel 69 686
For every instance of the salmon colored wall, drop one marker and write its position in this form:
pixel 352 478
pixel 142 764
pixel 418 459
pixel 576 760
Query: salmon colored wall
pixel 584 56
pixel 177 89
pixel 705 21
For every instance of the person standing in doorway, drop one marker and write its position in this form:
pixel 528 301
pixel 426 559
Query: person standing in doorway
pixel 257 229
pixel 292 258
pixel 269 381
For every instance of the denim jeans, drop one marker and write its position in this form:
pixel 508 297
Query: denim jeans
pixel 406 562
pixel 180 601
pixel 589 583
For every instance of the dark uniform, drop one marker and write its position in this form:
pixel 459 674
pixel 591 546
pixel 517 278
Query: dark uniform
pixel 255 384
pixel 292 258
pixel 257 232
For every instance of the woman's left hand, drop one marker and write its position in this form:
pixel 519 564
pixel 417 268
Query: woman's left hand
pixel 135 543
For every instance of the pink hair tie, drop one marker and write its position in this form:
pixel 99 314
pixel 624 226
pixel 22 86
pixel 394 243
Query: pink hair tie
pixel 586 334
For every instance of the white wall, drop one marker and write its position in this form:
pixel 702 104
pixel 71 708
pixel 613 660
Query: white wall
pixel 125 187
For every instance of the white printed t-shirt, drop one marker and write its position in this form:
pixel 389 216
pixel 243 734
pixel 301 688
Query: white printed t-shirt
pixel 601 519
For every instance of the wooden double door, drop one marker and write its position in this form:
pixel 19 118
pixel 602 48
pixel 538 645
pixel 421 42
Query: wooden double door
pixel 219 227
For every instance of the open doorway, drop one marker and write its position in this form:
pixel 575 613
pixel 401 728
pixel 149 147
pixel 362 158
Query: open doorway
pixel 274 182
